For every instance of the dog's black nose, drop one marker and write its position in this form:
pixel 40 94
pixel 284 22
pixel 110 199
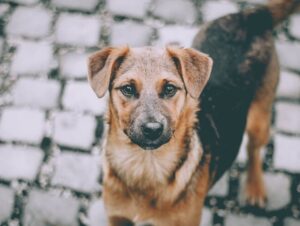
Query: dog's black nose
pixel 152 130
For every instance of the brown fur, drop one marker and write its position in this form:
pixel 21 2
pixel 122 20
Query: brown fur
pixel 281 9
pixel 166 186
pixel 258 126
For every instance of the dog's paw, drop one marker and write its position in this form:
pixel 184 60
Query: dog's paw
pixel 256 194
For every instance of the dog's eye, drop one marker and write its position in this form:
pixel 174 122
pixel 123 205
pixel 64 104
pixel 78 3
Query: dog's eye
pixel 169 91
pixel 128 90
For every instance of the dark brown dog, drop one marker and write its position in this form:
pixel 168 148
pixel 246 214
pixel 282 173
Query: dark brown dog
pixel 161 152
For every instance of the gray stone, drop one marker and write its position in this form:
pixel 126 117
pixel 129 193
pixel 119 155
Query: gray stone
pixel 207 218
pixel 221 187
pixel 97 214
pixel 132 8
pixel 86 5
pixel 287 117
pixel 287 153
pixel 289 85
pixel 261 2
pixel 246 220
pixel 77 171
pixel 181 11
pixel 131 33
pixel 19 162
pixel 70 127
pixel 243 156
pixel 32 58
pixel 291 222
pixel 73 65
pixel 31 22
pixel 215 9
pixel 39 93
pixel 78 30
pixel 294 26
pixel 46 208
pixel 21 124
pixel 25 2
pixel 1 46
pixel 7 202
pixel 4 9
pixel 79 96
pixel 172 34
pixel 277 189
pixel 289 53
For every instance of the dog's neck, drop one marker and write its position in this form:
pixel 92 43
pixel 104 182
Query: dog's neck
pixel 170 166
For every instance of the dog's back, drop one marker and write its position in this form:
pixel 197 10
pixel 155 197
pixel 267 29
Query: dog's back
pixel 242 49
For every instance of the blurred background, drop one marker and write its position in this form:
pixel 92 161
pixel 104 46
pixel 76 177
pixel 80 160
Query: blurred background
pixel 51 123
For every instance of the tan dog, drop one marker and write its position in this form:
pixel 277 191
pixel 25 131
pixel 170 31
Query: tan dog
pixel 149 93
pixel 161 153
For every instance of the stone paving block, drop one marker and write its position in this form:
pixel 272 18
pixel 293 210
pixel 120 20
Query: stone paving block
pixel 262 2
pixel 32 22
pixel 287 117
pixel 1 46
pixel 291 222
pixel 207 217
pixel 221 188
pixel 181 11
pixel 77 171
pixel 289 85
pixel 294 26
pixel 288 53
pixel 39 93
pixel 70 127
pixel 243 156
pixel 19 162
pixel 46 208
pixel 32 58
pixel 131 33
pixel 172 34
pixel 24 2
pixel 78 30
pixel 6 203
pixel 277 189
pixel 287 153
pixel 215 9
pixel 86 5
pixel 3 9
pixel 132 8
pixel 22 124
pixel 79 96
pixel 73 65
pixel 246 220
pixel 96 214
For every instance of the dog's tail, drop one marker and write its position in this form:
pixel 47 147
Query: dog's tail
pixel 266 17
pixel 282 9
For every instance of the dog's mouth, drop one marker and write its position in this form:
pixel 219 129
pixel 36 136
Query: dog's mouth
pixel 148 144
pixel 152 145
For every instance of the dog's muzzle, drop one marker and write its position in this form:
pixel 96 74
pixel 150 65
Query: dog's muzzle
pixel 150 135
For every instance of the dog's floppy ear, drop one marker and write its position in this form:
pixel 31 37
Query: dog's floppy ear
pixel 194 67
pixel 101 67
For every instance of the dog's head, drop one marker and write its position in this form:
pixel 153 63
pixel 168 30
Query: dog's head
pixel 148 88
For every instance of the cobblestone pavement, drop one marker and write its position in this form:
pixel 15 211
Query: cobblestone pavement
pixel 51 123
